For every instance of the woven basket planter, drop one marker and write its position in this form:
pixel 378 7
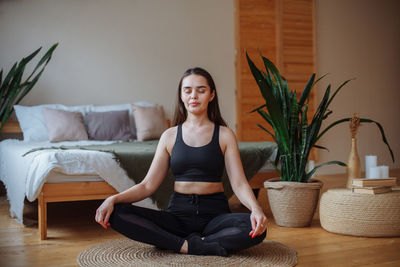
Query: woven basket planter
pixel 344 212
pixel 293 204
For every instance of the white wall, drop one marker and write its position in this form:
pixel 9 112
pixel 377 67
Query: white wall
pixel 121 51
pixel 360 39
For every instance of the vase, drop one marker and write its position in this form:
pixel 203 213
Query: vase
pixel 293 204
pixel 353 164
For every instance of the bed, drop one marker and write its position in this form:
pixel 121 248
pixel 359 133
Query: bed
pixel 77 170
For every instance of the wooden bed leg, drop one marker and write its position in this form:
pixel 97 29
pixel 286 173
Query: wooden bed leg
pixel 42 214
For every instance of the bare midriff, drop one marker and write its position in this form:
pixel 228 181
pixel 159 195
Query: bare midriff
pixel 198 188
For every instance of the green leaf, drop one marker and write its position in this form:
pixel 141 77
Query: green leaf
pixel 382 134
pixel 256 74
pixel 320 78
pixel 326 115
pixel 332 125
pixel 12 89
pixel 321 107
pixel 29 87
pixel 280 94
pixel 294 117
pixel 337 91
pixel 334 162
pixel 321 147
pixel 8 78
pixel 45 59
pixel 260 107
pixel 272 106
pixel 304 140
pixel 306 91
pixel 262 127
pixel 29 58
pixel 275 73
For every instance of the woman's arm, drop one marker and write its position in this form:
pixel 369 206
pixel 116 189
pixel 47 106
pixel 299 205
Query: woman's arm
pixel 154 177
pixel 240 186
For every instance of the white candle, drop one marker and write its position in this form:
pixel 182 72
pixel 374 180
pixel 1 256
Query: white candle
pixel 384 171
pixel 374 172
pixel 370 161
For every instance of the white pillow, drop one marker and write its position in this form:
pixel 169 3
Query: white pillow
pixel 33 123
pixel 111 108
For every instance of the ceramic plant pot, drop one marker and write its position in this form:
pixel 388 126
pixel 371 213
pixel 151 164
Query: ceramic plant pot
pixel 293 204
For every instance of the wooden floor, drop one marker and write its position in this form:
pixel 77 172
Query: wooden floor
pixel 71 229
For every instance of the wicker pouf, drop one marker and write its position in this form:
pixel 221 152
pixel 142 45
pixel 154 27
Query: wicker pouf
pixel 344 212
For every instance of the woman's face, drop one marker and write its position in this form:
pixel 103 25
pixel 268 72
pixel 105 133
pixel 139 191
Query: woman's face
pixel 196 94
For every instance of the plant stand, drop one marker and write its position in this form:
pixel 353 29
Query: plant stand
pixel 293 204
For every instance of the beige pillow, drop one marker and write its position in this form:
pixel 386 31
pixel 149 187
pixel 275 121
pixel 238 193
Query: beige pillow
pixel 150 122
pixel 64 125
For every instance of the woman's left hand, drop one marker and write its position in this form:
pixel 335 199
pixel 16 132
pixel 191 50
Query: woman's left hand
pixel 258 223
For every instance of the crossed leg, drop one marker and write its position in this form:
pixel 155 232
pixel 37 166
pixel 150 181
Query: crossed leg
pixel 144 225
pixel 162 229
pixel 231 231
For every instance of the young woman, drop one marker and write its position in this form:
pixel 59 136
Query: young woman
pixel 198 220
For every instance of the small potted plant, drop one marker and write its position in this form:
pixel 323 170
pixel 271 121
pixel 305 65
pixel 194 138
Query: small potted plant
pixel 293 196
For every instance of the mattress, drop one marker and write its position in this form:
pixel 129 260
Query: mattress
pixel 56 177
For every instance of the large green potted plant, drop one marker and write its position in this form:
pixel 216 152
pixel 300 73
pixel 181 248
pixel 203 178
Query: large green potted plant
pixel 13 88
pixel 294 196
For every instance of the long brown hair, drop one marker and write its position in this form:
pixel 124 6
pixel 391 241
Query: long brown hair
pixel 213 111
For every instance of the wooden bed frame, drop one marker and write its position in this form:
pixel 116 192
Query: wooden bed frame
pixel 62 192
pixel 76 191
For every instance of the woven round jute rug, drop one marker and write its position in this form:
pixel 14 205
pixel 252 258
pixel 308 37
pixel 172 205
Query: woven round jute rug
pixel 126 252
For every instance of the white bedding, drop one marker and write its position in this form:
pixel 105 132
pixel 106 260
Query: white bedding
pixel 25 176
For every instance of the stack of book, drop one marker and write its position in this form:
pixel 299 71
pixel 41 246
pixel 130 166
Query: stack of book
pixel 373 186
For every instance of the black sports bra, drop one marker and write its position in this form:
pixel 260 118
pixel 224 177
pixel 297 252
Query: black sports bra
pixel 198 164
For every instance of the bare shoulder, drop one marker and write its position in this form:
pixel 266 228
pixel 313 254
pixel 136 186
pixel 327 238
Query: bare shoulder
pixel 226 136
pixel 226 132
pixel 168 138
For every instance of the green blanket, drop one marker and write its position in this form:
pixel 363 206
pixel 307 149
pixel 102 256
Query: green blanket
pixel 136 158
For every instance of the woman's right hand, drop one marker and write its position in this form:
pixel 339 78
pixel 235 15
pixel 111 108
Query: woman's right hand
pixel 104 211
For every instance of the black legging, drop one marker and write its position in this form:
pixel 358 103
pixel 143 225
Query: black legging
pixel 207 215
